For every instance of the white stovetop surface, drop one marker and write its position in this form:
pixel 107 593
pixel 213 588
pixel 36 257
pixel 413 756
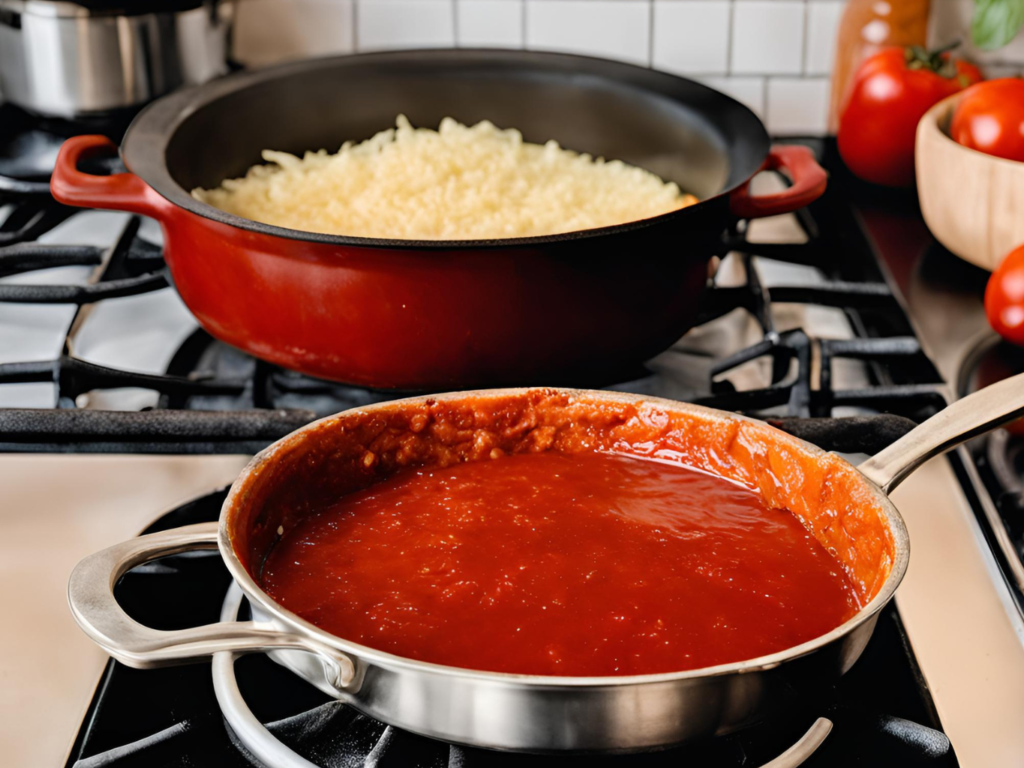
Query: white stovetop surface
pixel 56 509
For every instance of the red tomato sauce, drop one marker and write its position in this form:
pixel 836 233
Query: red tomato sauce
pixel 554 564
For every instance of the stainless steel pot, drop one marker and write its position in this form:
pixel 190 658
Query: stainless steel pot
pixel 536 713
pixel 74 59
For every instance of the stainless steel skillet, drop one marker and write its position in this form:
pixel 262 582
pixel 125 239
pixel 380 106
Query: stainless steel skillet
pixel 846 508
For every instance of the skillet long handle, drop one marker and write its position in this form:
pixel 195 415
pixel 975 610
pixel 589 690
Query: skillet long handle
pixel 974 415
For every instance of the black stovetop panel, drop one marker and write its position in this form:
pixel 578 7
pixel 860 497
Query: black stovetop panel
pixel 169 717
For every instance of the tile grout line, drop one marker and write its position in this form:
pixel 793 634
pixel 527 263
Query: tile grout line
pixel 522 25
pixel 728 38
pixel 650 34
pixel 806 38
pixel 764 98
pixel 455 24
pixel 355 25
pixel 522 21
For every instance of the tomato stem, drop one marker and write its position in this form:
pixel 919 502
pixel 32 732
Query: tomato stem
pixel 937 61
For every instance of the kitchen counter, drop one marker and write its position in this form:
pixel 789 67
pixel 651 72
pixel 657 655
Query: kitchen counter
pixel 48 667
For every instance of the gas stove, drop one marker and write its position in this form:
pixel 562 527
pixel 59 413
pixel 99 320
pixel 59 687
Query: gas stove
pixel 807 326
pixel 194 718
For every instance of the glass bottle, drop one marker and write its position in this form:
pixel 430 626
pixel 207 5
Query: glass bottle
pixel 866 27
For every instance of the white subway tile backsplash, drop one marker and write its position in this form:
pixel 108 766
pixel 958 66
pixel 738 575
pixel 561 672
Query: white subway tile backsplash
pixel 1011 53
pixel 615 29
pixel 753 50
pixel 269 31
pixel 767 37
pixel 950 20
pixel 746 90
pixel 382 24
pixel 822 25
pixel 994 71
pixel 691 37
pixel 797 106
pixel 489 23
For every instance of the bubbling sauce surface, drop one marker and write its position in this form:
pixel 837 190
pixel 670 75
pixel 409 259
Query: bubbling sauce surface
pixel 588 564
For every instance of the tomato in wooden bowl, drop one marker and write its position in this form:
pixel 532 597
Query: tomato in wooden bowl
pixel 990 118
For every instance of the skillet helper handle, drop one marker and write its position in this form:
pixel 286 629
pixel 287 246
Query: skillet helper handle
pixel 968 417
pixel 91 595
pixel 809 182
pixel 117 192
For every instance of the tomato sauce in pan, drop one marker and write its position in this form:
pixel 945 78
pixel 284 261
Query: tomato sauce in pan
pixel 583 564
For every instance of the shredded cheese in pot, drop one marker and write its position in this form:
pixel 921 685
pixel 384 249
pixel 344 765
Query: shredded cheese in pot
pixel 456 183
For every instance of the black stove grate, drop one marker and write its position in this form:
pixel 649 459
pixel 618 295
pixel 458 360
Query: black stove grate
pixel 214 399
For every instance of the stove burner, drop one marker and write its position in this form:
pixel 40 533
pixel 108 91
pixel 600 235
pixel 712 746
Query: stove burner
pixel 1000 452
pixel 1005 454
pixel 176 716
pixel 999 456
pixel 267 748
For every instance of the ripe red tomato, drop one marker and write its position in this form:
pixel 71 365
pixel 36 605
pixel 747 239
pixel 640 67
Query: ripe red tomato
pixel 891 92
pixel 990 118
pixel 1004 297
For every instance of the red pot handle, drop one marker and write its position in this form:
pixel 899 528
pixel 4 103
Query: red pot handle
pixel 118 192
pixel 809 180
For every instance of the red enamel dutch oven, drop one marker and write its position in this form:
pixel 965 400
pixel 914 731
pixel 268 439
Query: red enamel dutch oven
pixel 414 315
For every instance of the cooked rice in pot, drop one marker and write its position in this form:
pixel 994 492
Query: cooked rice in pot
pixel 456 183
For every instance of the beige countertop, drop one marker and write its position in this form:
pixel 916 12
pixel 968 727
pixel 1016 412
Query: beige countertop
pixel 54 510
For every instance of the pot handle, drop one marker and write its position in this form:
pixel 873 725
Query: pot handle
pixel 91 595
pixel 809 181
pixel 118 191
pixel 968 417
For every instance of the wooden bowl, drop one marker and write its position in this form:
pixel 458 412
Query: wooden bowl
pixel 972 202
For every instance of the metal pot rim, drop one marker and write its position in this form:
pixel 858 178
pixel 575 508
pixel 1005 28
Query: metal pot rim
pixel 255 593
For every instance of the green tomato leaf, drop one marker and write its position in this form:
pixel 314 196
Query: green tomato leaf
pixel 996 22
